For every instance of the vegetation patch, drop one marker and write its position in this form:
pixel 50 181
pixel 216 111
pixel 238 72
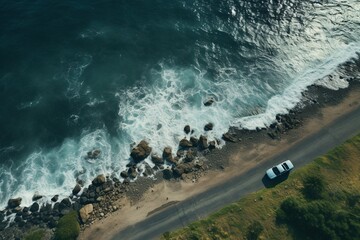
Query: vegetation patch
pixel 68 227
pixel 35 234
pixel 318 201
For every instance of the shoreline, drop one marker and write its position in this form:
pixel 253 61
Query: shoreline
pixel 230 161
pixel 134 201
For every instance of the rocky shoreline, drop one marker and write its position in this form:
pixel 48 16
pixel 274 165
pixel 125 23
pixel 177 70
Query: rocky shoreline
pixel 193 159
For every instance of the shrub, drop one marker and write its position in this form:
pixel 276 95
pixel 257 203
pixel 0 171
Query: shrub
pixel 35 235
pixel 68 227
pixel 254 231
pixel 314 187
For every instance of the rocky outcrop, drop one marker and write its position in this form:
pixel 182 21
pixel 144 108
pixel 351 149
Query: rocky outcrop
pixel 132 172
pixel 36 197
pixel 203 142
pixel 55 198
pixel 157 160
pixel 184 143
pixel 124 174
pixel 14 202
pixel 190 155
pixel 187 129
pixel 209 127
pixel 100 179
pixel 194 141
pixel 76 189
pixel 141 151
pixel 209 102
pixel 93 154
pixel 228 137
pixel 167 153
pixel 85 212
pixel 34 207
pixel 212 145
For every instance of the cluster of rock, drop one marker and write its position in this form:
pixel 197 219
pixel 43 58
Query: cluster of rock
pixel 283 123
pixel 96 200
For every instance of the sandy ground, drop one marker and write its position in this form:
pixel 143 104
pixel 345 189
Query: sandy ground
pixel 243 158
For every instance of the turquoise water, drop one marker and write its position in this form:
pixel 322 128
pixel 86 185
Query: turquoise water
pixel 82 75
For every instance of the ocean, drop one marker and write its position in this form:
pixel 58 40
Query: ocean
pixel 77 76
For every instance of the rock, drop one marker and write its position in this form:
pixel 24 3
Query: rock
pixel 34 207
pixel 187 129
pixel 36 197
pixel 83 200
pixel 124 174
pixel 167 174
pixel 55 198
pixel 209 127
pixel 180 153
pixel 209 102
pixel 65 202
pixel 228 137
pixel 99 180
pixel 173 161
pixel 76 189
pixel 183 168
pixel 157 160
pixel 273 125
pixel 93 154
pixel 148 170
pixel 14 202
pixel 190 155
pixel 203 142
pixel 272 135
pixel 132 172
pixel 85 212
pixel 194 141
pixel 52 223
pixel 141 151
pixel 167 153
pixel 212 145
pixel 184 143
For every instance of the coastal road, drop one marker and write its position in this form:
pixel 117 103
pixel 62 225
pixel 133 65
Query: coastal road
pixel 201 205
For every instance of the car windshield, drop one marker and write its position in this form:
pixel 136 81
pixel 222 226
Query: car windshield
pixel 276 170
pixel 286 166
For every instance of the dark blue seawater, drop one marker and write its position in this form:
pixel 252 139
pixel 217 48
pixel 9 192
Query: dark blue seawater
pixel 82 75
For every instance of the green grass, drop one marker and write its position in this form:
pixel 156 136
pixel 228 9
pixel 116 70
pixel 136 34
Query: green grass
pixel 68 227
pixel 255 216
pixel 36 234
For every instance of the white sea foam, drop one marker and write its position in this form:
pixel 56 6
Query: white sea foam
pixel 74 71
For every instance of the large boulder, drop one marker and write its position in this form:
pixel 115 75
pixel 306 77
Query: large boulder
pixel 187 129
pixel 36 197
pixel 183 168
pixel 141 151
pixel 190 155
pixel 194 141
pixel 209 102
pixel 167 153
pixel 228 137
pixel 14 202
pixel 99 180
pixel 203 142
pixel 34 207
pixel 85 212
pixel 184 143
pixel 55 198
pixel 76 189
pixel 157 160
pixel 209 127
pixel 124 174
pixel 93 154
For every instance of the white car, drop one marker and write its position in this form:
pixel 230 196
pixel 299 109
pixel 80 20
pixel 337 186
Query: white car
pixel 279 169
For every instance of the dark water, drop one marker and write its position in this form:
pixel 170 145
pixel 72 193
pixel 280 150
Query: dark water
pixel 83 75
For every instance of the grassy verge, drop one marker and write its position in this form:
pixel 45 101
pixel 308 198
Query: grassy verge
pixel 323 193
